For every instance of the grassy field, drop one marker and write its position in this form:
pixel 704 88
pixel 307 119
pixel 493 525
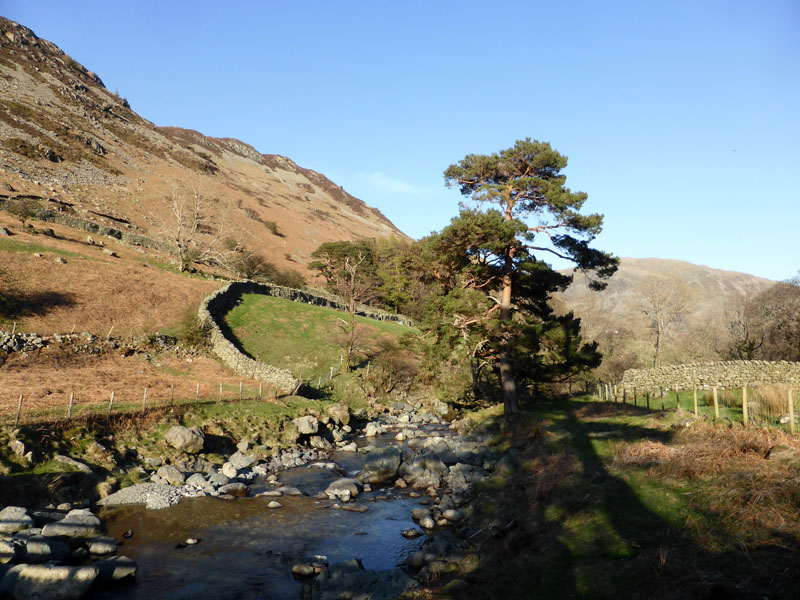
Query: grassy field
pixel 615 501
pixel 303 338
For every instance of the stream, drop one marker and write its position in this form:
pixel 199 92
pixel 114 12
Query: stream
pixel 247 550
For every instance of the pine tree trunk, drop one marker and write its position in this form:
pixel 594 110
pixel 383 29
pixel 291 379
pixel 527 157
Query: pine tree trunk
pixel 507 380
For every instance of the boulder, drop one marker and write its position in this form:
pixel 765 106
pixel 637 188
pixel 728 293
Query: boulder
pixel 79 523
pixel 103 546
pixel 13 519
pixel 39 549
pixel 424 471
pixel 8 551
pixel 53 582
pixel 230 471
pixel 219 479
pixel 115 568
pixel 339 412
pixel 185 439
pixel 234 489
pixel 381 465
pixel 373 428
pixel 306 425
pixel 344 488
pixel 171 475
pixel 197 480
pixel 75 464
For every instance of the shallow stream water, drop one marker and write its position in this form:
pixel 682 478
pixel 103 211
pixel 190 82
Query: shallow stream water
pixel 247 550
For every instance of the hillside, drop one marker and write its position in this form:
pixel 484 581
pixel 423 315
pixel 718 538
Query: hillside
pixel 615 316
pixel 69 144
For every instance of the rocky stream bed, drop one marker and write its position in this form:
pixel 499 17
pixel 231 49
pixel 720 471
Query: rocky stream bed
pixel 365 512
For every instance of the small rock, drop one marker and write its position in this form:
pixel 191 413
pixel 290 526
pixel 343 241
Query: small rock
pixel 302 570
pixel 229 470
pixel 360 508
pixel 234 489
pixel 60 261
pixel 412 533
pixel 274 504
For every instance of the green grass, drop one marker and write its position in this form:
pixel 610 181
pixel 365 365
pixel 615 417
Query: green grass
pixel 302 338
pixel 15 246
pixel 588 526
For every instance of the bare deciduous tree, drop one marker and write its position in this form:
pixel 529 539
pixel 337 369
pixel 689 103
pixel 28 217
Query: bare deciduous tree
pixel 664 305
pixel 195 231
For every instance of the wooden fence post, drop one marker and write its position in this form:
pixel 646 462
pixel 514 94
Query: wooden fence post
pixel 19 411
pixel 677 399
pixel 791 411
pixel 624 393
pixel 111 403
pixel 220 391
pixel 197 393
pixel 661 390
pixel 695 401
pixel 260 395
pixel 144 400
pixel 745 414
pixel 69 409
pixel 648 399
pixel 716 402
pixel 240 390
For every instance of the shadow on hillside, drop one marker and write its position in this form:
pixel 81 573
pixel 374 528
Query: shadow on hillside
pixel 566 527
pixel 15 304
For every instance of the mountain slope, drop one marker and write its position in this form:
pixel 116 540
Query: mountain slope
pixel 701 297
pixel 66 139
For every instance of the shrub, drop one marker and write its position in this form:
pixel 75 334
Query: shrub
pixel 191 332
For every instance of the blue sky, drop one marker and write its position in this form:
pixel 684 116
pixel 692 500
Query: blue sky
pixel 681 120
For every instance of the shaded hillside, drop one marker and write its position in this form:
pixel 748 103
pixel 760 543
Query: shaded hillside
pixel 79 148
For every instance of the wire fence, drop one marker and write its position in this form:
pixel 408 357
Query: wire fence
pixel 751 405
pixel 25 410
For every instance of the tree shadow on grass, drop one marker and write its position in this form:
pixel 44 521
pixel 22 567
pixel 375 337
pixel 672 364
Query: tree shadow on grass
pixel 16 305
pixel 560 524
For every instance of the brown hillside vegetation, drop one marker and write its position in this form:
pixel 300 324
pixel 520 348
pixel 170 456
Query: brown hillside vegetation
pixel 696 300
pixel 82 150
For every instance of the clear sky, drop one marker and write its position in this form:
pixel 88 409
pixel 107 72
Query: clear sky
pixel 681 119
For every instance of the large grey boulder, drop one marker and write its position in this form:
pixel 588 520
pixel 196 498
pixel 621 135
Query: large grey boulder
pixel 171 475
pixel 424 471
pixel 39 549
pixel 381 465
pixel 14 518
pixel 189 440
pixel 52 582
pixel 306 425
pixel 115 568
pixel 79 523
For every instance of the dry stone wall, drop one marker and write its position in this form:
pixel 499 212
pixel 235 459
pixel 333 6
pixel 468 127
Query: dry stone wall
pixel 725 374
pixel 214 307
